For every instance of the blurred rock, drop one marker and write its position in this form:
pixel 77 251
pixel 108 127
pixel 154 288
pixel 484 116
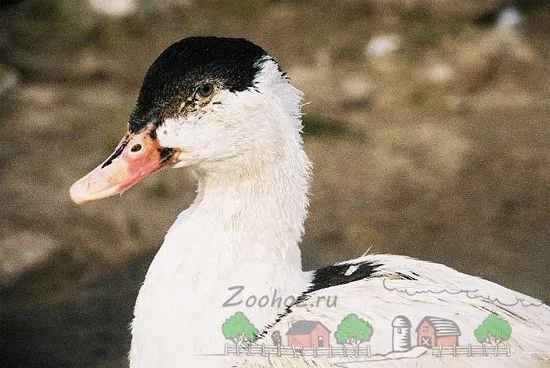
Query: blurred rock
pixel 124 8
pixel 494 55
pixel 45 114
pixel 443 9
pixel 323 59
pixel 509 17
pixel 88 62
pixel 9 78
pixel 22 251
pixel 356 90
pixel 115 8
pixel 383 45
pixel 506 99
pixel 39 95
pixel 439 72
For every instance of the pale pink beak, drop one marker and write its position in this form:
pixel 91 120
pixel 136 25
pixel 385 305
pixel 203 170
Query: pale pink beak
pixel 136 156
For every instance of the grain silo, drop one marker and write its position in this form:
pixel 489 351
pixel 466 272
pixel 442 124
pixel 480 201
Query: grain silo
pixel 401 335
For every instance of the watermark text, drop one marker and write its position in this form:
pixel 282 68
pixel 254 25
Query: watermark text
pixel 238 297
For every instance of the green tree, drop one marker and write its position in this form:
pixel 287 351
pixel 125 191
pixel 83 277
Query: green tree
pixel 238 329
pixel 353 330
pixel 493 330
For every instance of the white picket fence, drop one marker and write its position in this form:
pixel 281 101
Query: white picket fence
pixel 298 351
pixel 472 350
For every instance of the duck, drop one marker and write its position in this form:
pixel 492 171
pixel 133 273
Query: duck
pixel 223 109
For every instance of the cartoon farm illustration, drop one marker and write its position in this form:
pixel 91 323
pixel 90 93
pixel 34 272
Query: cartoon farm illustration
pixel 353 331
pixel 432 335
pixel 401 334
pixel 435 331
pixel 239 331
pixel 308 334
pixel 494 330
pixel 304 338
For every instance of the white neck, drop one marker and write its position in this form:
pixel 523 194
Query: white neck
pixel 242 230
pixel 261 215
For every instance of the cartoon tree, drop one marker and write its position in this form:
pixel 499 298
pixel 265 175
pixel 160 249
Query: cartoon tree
pixel 276 338
pixel 353 330
pixel 493 330
pixel 239 330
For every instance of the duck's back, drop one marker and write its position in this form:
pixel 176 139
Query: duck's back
pixel 413 312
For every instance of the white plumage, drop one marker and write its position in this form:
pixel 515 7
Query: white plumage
pixel 243 230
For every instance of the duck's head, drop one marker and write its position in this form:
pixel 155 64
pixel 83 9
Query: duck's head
pixel 215 104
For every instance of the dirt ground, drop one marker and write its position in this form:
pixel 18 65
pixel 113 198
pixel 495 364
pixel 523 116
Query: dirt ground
pixel 436 150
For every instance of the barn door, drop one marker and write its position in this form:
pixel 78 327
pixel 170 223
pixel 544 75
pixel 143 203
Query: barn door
pixel 426 341
pixel 320 342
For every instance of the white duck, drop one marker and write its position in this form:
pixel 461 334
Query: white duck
pixel 222 108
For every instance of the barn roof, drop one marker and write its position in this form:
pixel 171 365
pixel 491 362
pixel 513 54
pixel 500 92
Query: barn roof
pixel 441 326
pixel 304 327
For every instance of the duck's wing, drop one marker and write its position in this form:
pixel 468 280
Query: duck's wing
pixel 441 305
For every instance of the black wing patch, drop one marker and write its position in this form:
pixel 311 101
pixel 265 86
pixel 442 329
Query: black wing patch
pixel 326 277
pixel 341 274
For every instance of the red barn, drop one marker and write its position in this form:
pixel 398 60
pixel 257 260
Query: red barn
pixel 435 331
pixel 308 334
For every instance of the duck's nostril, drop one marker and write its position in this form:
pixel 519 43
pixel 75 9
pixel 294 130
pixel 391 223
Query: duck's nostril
pixel 136 148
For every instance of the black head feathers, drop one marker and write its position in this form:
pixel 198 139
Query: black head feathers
pixel 229 63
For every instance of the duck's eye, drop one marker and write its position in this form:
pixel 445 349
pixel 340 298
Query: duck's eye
pixel 205 89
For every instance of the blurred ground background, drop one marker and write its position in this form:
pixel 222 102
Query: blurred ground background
pixel 427 123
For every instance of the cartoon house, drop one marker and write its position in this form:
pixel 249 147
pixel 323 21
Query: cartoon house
pixel 401 334
pixel 308 334
pixel 435 331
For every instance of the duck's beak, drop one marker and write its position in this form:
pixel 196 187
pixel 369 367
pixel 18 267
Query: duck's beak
pixel 136 156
